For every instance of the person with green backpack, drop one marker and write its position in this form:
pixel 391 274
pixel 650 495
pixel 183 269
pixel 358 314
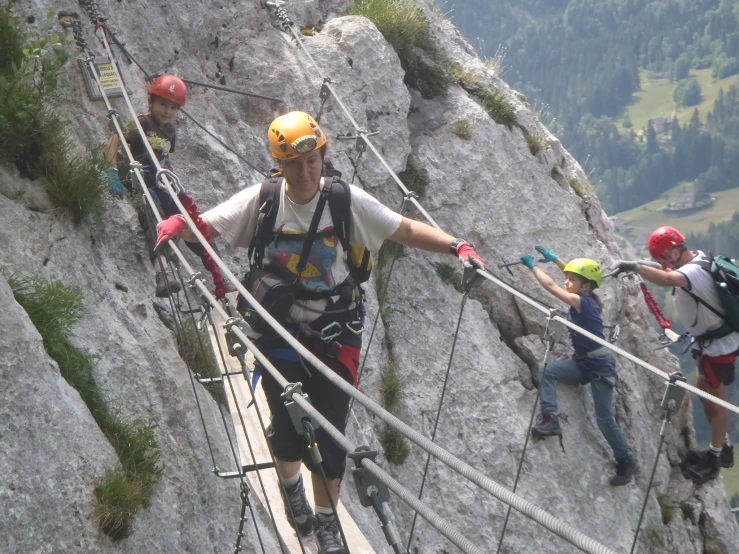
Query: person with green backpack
pixel 307 235
pixel 706 296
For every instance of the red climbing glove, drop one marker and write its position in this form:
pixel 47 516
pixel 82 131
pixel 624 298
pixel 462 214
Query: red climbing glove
pixel 467 254
pixel 170 228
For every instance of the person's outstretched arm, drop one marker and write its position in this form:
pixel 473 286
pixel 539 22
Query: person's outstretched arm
pixel 549 285
pixel 420 235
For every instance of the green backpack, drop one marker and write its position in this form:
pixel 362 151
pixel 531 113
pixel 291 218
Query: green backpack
pixel 725 274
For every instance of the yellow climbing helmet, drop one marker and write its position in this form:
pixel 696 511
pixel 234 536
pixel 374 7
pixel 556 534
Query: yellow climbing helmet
pixel 584 267
pixel 293 134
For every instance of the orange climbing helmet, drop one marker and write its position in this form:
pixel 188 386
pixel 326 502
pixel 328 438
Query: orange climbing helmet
pixel 663 239
pixel 293 134
pixel 170 87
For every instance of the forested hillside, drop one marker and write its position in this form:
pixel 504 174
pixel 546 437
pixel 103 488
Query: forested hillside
pixel 582 58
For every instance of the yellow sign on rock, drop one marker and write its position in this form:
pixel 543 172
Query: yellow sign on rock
pixel 108 79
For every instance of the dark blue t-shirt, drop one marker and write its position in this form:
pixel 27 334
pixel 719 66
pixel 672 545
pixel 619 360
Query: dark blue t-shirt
pixel 589 319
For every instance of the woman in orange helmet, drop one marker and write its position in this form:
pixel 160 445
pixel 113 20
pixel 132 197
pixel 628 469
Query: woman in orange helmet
pixel 324 276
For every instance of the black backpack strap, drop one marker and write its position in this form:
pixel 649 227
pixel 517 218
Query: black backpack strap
pixel 269 203
pixel 340 204
pixel 313 229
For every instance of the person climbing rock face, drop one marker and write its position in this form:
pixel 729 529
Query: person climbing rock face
pixel 716 348
pixel 166 95
pixel 591 362
pixel 305 253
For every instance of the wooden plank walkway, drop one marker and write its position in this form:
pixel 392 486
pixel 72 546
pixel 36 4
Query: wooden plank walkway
pixel 358 544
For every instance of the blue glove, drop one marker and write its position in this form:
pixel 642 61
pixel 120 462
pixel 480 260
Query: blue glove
pixel 114 183
pixel 549 256
pixel 528 261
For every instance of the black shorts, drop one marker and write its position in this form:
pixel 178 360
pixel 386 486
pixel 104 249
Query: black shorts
pixel 327 398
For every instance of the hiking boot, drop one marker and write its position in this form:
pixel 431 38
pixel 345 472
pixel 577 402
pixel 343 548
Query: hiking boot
pixel 302 514
pixel 327 535
pixel 164 279
pixel 625 468
pixel 547 425
pixel 726 457
pixel 707 468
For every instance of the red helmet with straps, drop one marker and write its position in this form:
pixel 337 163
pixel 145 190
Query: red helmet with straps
pixel 170 87
pixel 663 239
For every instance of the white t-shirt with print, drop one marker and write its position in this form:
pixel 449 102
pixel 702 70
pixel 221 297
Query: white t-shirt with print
pixel 371 223
pixel 698 319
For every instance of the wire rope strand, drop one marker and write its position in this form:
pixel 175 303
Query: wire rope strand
pixel 227 376
pixel 438 414
pixel 525 446
pixel 646 496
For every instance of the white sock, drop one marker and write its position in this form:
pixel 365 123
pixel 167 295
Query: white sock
pixel 727 440
pixel 713 450
pixel 324 513
pixel 291 482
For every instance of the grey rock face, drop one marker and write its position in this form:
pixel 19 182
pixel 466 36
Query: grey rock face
pixel 492 191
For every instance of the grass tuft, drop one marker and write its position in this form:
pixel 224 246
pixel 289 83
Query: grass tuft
pixel 463 129
pixel 406 28
pixel 449 275
pixel 55 309
pixel 390 250
pixel 687 510
pixel 535 142
pixel 117 500
pixel 667 510
pixel 196 350
pixel 32 136
pixel 495 104
pixel 391 386
pixel 578 187
pixel 74 182
pixel 395 446
pixel 401 22
pixel 416 179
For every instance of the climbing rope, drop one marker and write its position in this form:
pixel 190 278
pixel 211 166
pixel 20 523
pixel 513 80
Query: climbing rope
pixel 662 320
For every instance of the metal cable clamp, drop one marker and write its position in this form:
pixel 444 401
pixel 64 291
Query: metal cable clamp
pixel 298 414
pixel 174 180
pixel 361 144
pixel 374 493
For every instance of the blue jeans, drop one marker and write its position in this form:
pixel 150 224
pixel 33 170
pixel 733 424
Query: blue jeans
pixel 600 372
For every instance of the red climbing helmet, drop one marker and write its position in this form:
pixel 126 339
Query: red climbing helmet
pixel 663 239
pixel 170 87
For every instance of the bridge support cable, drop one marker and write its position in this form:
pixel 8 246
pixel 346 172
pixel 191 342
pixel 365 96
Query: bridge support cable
pixel 255 463
pixel 179 329
pixel 381 292
pixel 553 334
pixel 671 402
pixel 468 287
pixel 530 510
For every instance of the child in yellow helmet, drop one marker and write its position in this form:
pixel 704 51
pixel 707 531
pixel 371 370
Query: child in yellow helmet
pixel 591 362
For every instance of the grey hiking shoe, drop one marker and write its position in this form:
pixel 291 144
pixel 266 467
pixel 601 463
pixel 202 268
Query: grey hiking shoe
pixel 547 425
pixel 164 279
pixel 625 468
pixel 302 514
pixel 327 535
pixel 707 468
pixel 726 458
